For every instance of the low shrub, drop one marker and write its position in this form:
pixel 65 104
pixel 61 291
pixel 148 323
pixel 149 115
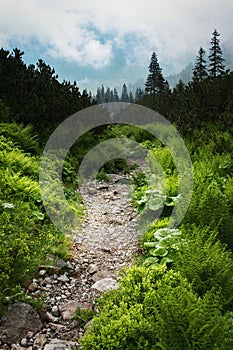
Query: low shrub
pixel 83 316
pixel 186 321
pixel 206 263
pixel 155 309
pixel 123 322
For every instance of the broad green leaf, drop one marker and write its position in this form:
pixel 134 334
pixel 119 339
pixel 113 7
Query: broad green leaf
pixel 158 252
pixel 150 244
pixel 155 203
pixel 154 265
pixel 168 241
pixel 164 232
pixel 150 260
pixel 175 232
pixel 39 215
pixel 161 233
pixel 165 260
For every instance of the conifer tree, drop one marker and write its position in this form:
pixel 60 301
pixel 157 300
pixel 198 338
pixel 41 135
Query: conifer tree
pixel 98 96
pixel 131 99
pixel 155 81
pixel 166 87
pixel 115 95
pixel 111 96
pixel 102 94
pixel 124 94
pixel 216 66
pixel 107 95
pixel 200 71
pixel 139 94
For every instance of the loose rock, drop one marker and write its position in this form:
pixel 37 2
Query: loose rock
pixel 40 340
pixel 57 344
pixel 68 310
pixel 55 311
pixel 20 319
pixel 63 278
pixel 92 269
pixel 105 285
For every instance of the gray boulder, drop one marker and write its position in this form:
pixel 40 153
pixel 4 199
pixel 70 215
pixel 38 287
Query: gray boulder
pixel 20 319
pixel 105 285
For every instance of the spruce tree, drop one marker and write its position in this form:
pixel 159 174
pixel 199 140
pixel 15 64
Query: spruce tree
pixel 131 99
pixel 124 94
pixel 102 94
pixel 115 95
pixel 200 71
pixel 139 94
pixel 107 97
pixel 98 96
pixel 111 96
pixel 155 81
pixel 216 66
pixel 166 87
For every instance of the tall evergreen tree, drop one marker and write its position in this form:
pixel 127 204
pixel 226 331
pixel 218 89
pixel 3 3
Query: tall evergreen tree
pixel 111 96
pixel 98 96
pixel 131 99
pixel 115 95
pixel 200 71
pixel 155 81
pixel 124 94
pixel 139 94
pixel 166 87
pixel 102 94
pixel 107 97
pixel 216 66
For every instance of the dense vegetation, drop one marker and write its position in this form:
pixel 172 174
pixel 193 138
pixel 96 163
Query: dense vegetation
pixel 27 236
pixel 179 294
pixel 38 103
pixel 35 94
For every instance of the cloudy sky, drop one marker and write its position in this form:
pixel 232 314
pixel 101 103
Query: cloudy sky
pixel 111 42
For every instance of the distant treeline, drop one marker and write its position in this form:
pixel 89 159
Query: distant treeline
pixel 33 94
pixel 105 94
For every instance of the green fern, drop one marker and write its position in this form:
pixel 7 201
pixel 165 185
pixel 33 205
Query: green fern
pixel 22 136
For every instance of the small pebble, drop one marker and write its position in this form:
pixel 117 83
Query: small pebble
pixel 42 272
pixel 63 278
pixel 24 342
pixel 55 311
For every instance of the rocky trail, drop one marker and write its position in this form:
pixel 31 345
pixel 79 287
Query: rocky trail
pixel 106 242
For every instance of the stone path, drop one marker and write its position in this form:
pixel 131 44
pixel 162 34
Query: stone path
pixel 107 241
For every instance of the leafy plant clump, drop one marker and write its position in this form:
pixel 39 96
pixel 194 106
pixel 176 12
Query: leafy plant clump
pixel 162 249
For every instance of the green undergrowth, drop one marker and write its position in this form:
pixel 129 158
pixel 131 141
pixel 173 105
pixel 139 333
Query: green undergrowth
pixel 178 295
pixel 83 316
pixel 155 308
pixel 27 235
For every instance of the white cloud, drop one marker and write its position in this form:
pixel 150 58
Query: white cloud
pixel 86 31
pixel 83 48
pixel 3 39
pixel 61 30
